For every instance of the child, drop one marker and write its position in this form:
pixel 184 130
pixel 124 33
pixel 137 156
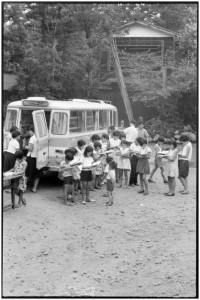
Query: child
pixel 94 138
pixel 111 181
pixel 183 163
pixel 124 164
pixel 20 183
pixel 115 143
pixel 122 136
pixel 105 141
pixel 66 173
pixel 80 147
pixel 98 171
pixel 76 170
pixel 134 150
pixel 158 160
pixel 143 165
pixel 111 129
pixel 108 160
pixel 86 174
pixel 172 168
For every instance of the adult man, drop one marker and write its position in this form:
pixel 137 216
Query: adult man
pixel 131 132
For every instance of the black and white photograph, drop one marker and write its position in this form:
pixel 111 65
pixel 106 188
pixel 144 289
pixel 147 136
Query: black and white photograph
pixel 99 114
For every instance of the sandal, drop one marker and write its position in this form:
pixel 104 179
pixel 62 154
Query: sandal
pixel 185 192
pixel 170 195
pixel 145 193
pixel 105 195
pixel 140 192
pixel 24 201
pixel 150 180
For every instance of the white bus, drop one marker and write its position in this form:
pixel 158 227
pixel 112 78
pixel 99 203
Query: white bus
pixel 59 124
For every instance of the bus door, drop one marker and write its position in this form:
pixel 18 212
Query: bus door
pixel 42 136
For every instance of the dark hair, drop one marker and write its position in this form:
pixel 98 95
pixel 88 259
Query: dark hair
pixel 19 154
pixel 125 142
pixel 122 134
pixel 97 144
pixel 13 128
pixel 184 138
pixel 132 122
pixel 113 164
pixel 105 136
pixel 109 159
pixel 15 134
pixel 145 141
pixel 161 139
pixel 31 128
pixel 140 122
pixel 25 152
pixel 116 133
pixel 69 156
pixel 140 140
pixel 71 150
pixel 174 144
pixel 95 137
pixel 81 143
pixel 112 127
pixel 88 149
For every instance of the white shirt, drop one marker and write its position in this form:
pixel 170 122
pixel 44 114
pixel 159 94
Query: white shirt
pixel 135 148
pixel 111 175
pixel 86 162
pixel 189 145
pixel 80 152
pixel 13 146
pixel 131 133
pixel 33 141
pixel 145 150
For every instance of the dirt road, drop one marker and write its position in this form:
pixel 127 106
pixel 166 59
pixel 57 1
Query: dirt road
pixel 141 246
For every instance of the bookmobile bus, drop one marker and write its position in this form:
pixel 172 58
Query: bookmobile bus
pixel 59 124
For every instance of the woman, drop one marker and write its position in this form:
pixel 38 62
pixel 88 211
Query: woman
pixel 13 146
pixel 32 172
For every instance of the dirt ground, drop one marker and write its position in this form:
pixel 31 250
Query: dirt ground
pixel 141 246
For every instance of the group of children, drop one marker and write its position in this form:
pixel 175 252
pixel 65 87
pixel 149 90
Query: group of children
pixel 111 158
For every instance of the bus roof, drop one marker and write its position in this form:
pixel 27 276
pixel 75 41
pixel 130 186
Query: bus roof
pixel 76 104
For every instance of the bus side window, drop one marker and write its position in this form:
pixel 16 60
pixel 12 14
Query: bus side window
pixel 11 119
pixel 90 121
pixel 77 121
pixel 115 118
pixel 59 123
pixel 111 117
pixel 103 119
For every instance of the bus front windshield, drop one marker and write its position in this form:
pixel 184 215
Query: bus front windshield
pixel 11 119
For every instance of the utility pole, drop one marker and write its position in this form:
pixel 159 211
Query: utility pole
pixel 121 82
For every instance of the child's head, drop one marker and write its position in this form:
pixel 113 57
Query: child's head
pixel 16 134
pixel 132 122
pixel 88 151
pixel 184 138
pixel 122 136
pixel 112 165
pixel 136 142
pixel 105 137
pixel 173 145
pixel 13 128
pixel 111 129
pixel 97 145
pixel 69 157
pixel 31 130
pixel 19 155
pixel 73 150
pixel 108 159
pixel 116 135
pixel 124 144
pixel 141 141
pixel 161 140
pixel 81 144
pixel 25 152
pixel 140 125
pixel 95 138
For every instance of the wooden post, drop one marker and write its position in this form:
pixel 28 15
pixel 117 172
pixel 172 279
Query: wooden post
pixel 121 82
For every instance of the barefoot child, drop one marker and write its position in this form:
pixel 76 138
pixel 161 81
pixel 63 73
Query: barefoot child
pixel 86 174
pixel 143 167
pixel 66 174
pixel 111 181
pixel 124 164
pixel 158 160
pixel 105 175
